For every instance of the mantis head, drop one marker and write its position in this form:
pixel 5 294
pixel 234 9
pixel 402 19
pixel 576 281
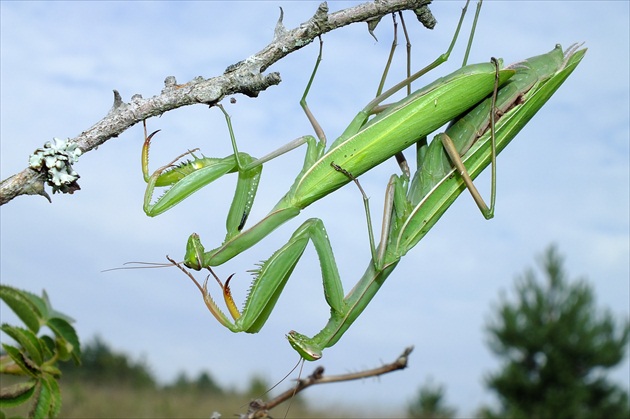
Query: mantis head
pixel 194 253
pixel 304 346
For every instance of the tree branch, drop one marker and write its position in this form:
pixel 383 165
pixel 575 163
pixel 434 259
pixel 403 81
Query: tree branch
pixel 244 77
pixel 259 409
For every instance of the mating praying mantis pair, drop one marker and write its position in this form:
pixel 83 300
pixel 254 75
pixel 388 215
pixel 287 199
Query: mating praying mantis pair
pixel 487 105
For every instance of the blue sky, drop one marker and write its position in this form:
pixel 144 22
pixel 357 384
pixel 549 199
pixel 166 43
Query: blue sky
pixel 563 180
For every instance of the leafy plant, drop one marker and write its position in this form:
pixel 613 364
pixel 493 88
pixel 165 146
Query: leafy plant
pixel 35 356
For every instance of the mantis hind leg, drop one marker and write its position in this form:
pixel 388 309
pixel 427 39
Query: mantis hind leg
pixel 453 154
pixel 318 129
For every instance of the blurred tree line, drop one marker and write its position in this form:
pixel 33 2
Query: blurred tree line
pixel 101 365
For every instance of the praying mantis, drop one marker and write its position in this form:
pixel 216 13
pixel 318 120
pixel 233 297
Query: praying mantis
pixel 488 105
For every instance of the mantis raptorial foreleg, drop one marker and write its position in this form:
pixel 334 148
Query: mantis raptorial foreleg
pixel 188 177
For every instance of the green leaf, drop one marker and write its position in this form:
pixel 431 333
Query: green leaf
pixel 48 346
pixel 37 301
pixel 37 408
pixel 48 400
pixel 16 394
pixel 55 392
pixel 22 305
pixel 45 308
pixel 67 337
pixel 24 363
pixel 27 340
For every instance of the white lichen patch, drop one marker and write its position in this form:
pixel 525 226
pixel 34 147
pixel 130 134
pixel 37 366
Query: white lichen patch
pixel 55 160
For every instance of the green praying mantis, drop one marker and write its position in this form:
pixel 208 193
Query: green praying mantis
pixel 488 105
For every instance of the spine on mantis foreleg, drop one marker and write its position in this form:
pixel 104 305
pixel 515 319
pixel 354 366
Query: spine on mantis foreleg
pixel 188 177
pixel 535 81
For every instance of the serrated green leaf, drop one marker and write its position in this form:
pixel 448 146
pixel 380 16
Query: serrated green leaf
pixel 48 346
pixel 45 308
pixel 23 306
pixel 16 394
pixel 27 340
pixel 38 302
pixel 45 400
pixel 52 386
pixel 65 331
pixel 18 357
pixel 48 341
pixel 52 313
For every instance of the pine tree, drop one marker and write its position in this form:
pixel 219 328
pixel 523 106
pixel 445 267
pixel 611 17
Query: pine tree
pixel 556 348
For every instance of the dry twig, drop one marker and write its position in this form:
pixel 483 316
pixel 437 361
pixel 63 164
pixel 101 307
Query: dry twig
pixel 260 409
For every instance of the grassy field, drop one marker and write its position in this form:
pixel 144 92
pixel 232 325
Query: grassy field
pixel 91 401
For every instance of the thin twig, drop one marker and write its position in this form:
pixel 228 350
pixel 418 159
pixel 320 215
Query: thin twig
pixel 259 409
